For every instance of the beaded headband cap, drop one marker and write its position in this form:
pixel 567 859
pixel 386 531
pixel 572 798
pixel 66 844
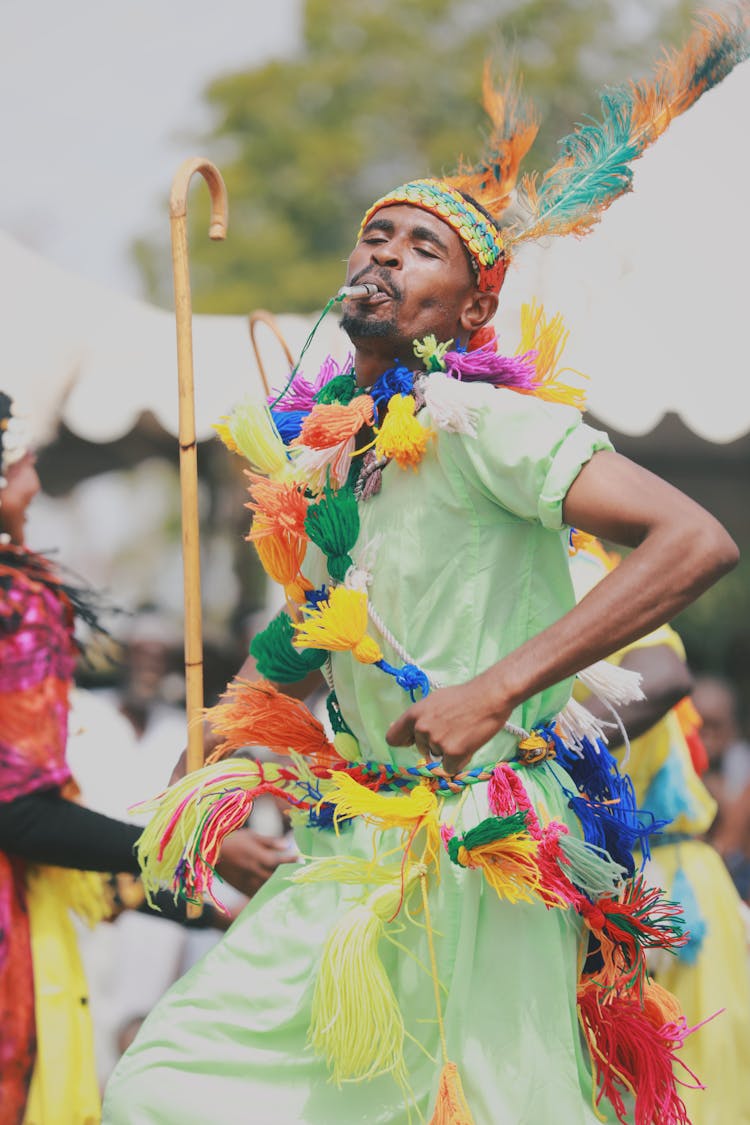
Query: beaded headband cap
pixel 481 238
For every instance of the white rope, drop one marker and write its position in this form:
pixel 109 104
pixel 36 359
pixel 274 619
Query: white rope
pixel 387 635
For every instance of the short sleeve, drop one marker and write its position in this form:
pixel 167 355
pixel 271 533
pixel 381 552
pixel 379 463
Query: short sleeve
pixel 526 452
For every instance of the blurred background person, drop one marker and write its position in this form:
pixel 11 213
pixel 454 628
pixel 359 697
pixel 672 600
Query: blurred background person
pixel 711 972
pixel 50 846
pixel 728 774
pixel 728 752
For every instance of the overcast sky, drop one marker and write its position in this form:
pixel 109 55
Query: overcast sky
pixel 99 103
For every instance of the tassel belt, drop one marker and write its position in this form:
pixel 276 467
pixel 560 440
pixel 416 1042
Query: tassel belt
pixel 532 751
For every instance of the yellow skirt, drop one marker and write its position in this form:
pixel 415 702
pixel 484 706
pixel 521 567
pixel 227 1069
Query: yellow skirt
pixel 719 977
pixel 64 1089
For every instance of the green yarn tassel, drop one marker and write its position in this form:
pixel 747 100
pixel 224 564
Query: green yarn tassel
pixel 487 831
pixel 341 389
pixel 333 525
pixel 277 658
pixel 338 722
pixel 592 869
pixel 343 737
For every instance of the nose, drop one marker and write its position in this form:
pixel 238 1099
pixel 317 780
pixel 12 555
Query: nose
pixel 386 254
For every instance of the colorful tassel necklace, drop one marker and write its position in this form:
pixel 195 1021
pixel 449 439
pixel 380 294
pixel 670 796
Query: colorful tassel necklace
pixel 308 444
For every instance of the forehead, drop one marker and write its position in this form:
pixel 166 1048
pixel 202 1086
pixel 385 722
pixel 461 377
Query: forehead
pixel 405 218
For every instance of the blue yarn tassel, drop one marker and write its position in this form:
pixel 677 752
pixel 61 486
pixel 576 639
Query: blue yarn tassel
pixel 410 678
pixel 289 423
pixel 396 381
pixel 607 808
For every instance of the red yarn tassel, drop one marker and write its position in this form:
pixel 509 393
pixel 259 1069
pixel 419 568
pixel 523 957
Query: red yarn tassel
pixel 642 919
pixel 631 1054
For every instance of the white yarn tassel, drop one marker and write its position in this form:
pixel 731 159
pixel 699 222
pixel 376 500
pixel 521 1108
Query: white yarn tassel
pixel 575 722
pixel 613 685
pixel 315 463
pixel 445 398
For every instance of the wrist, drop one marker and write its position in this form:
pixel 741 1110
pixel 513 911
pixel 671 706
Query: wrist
pixel 503 695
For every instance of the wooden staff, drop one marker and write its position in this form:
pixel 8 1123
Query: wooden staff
pixel 188 446
pixel 260 316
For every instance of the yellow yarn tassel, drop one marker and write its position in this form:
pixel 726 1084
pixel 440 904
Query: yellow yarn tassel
pixel 548 339
pixel 357 1025
pixel 509 866
pixel 339 625
pixel 224 433
pixel 402 436
pixel 346 869
pixel 86 893
pixel 451 1107
pixel 251 431
pixel 353 799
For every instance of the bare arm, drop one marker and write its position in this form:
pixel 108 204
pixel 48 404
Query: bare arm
pixel 679 551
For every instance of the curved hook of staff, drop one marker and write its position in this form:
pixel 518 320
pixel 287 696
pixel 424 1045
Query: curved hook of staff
pixel 187 439
pixel 261 316
pixel 217 229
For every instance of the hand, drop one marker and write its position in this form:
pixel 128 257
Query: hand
pixel 451 723
pixel 248 859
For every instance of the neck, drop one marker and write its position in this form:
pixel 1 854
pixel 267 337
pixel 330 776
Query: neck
pixel 372 357
pixel 370 364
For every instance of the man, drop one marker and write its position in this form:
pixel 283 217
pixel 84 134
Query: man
pixel 426 283
pixel 426 955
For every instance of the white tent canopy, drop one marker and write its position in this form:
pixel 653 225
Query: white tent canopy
pixel 656 300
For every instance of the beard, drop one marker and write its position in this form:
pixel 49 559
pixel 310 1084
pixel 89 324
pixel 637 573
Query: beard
pixel 359 327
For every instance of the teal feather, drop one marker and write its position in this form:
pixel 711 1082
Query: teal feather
pixel 594 164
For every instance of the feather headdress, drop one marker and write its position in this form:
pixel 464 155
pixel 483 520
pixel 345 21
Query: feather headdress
pixel 515 124
pixel 594 164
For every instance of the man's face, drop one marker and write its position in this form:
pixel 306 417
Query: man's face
pixel 424 278
pixel 715 706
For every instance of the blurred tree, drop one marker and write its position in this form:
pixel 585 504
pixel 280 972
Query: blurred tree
pixel 382 91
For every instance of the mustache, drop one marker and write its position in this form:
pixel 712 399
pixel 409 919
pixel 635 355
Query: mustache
pixel 381 278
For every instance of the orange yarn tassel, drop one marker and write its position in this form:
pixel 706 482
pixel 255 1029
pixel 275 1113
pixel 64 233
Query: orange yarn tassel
pixel 451 1107
pixel 582 541
pixel 257 714
pixel 281 557
pixel 277 507
pixel 330 424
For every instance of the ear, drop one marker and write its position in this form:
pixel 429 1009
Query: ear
pixel 479 309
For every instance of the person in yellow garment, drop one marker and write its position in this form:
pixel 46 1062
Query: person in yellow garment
pixel 711 972
pixel 51 847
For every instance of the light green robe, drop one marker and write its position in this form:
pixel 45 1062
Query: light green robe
pixel 471 560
